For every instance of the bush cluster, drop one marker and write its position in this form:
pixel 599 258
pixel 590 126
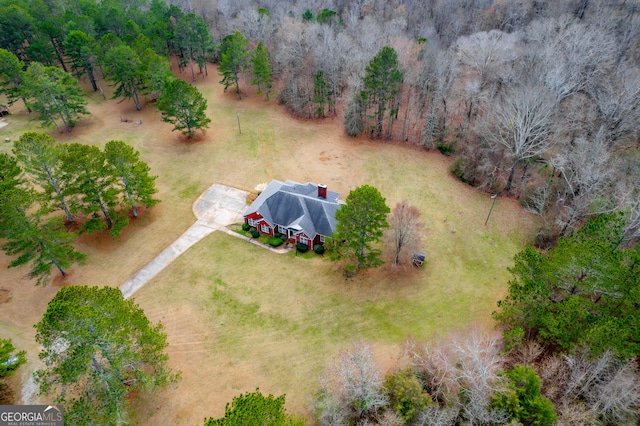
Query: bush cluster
pixel 302 248
pixel 275 241
pixel 254 233
pixel 246 227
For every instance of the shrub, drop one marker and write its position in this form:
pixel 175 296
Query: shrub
pixel 277 235
pixel 459 168
pixel 245 227
pixel 302 248
pixel 275 241
pixel 522 399
pixel 406 396
pixel 318 248
pixel 254 233
pixel 446 148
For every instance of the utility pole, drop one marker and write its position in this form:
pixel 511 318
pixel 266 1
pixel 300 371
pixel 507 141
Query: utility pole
pixel 494 197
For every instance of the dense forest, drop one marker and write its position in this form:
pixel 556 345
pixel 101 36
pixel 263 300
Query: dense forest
pixel 536 100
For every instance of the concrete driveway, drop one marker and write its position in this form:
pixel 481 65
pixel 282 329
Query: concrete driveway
pixel 221 205
pixel 216 208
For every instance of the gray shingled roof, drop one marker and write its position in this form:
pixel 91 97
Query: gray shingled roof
pixel 295 205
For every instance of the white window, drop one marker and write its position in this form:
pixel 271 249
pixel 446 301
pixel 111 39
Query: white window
pixel 282 230
pixel 265 229
pixel 251 222
pixel 304 240
pixel 322 238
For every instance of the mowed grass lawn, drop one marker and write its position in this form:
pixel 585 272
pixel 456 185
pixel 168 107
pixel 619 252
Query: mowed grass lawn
pixel 240 317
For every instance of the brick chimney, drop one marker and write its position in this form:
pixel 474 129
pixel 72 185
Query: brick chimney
pixel 322 191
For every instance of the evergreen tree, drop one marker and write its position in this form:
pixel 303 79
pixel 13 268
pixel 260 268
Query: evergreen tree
pixel 307 16
pixel 86 171
pixel 261 69
pixel 35 239
pixel 41 158
pixel 192 38
pixel 156 72
pixel 80 48
pixel 233 59
pixel 184 106
pixel 127 72
pixel 132 174
pixel 10 361
pixel 321 95
pixel 360 223
pixel 522 399
pixel 50 28
pixel 381 85
pixel 10 173
pixel 16 29
pixel 11 77
pixel 54 94
pixel 99 351
pixel 583 292
pixel 253 408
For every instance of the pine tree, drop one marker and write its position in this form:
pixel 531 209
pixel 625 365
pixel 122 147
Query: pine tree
pixel 193 39
pixel 381 85
pixel 126 71
pixel 320 94
pixel 233 59
pixel 11 77
pixel 184 106
pixel 112 352
pixel 86 171
pixel 261 69
pixel 80 48
pixel 41 158
pixel 360 223
pixel 54 94
pixel 124 163
pixel 34 239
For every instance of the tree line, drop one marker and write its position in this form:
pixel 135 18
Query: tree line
pixel 522 95
pixel 43 177
pixel 127 46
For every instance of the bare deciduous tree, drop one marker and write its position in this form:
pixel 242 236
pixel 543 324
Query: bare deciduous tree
pixel 588 172
pixel 463 373
pixel 351 389
pixel 405 227
pixel 617 98
pixel 591 391
pixel 437 416
pixel 522 123
pixel 487 54
pixel 570 55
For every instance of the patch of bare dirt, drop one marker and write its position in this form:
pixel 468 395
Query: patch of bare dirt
pixel 5 295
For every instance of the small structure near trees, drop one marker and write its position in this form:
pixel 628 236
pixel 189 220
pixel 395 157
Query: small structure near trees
pixel 418 259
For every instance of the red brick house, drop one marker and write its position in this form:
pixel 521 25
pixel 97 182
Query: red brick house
pixel 302 212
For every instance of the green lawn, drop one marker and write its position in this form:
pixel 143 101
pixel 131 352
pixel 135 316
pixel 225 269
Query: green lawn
pixel 239 316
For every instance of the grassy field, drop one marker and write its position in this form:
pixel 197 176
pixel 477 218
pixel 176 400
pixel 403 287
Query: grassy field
pixel 238 316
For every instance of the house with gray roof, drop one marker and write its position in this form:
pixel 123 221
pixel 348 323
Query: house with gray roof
pixel 302 212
